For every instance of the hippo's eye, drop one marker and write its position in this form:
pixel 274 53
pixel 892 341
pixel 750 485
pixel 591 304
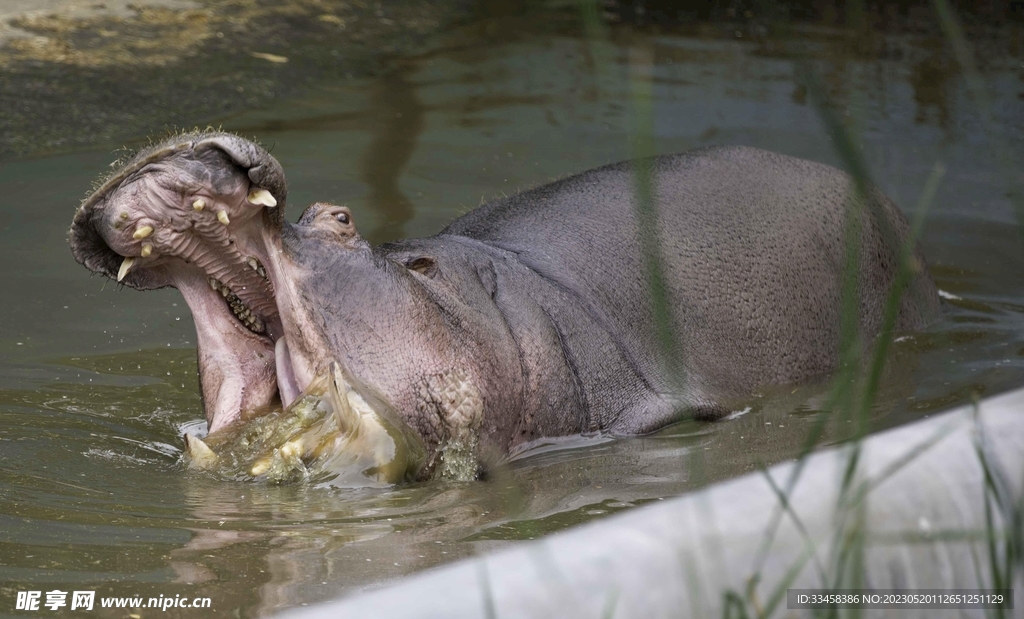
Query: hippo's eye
pixel 341 217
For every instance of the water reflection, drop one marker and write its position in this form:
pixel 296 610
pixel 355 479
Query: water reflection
pixel 396 121
pixel 393 118
pixel 316 543
pixel 931 78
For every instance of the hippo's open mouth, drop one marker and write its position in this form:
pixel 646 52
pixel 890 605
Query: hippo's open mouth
pixel 203 212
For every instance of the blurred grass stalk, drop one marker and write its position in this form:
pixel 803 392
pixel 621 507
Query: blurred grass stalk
pixel 640 68
pixel 1004 515
pixel 856 383
pixel 645 212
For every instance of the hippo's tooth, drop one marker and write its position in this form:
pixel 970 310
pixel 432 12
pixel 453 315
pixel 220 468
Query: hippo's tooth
pixel 199 204
pixel 337 391
pixel 200 453
pixel 214 284
pixel 262 197
pixel 291 448
pixel 142 232
pixel 253 264
pixel 286 385
pixel 222 217
pixel 260 467
pixel 147 249
pixel 125 265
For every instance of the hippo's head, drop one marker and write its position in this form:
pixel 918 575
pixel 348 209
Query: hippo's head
pixel 274 303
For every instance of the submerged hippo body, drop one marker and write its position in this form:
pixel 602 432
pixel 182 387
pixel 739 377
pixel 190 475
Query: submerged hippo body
pixel 531 316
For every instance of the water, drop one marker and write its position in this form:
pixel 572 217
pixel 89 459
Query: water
pixel 97 384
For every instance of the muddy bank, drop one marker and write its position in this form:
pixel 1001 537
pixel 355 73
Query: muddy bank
pixel 78 72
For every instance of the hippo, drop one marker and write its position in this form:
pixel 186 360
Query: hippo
pixel 535 315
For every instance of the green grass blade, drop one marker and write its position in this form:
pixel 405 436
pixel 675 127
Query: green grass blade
pixel 645 210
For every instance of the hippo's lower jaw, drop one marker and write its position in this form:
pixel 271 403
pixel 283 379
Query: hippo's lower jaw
pixel 329 432
pixel 203 212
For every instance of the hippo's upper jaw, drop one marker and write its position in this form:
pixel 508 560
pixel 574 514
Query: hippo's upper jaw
pixel 203 212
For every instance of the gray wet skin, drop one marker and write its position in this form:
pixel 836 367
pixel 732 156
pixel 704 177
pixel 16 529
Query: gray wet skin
pixel 528 317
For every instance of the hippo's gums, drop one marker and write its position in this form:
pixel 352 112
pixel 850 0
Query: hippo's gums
pixel 529 317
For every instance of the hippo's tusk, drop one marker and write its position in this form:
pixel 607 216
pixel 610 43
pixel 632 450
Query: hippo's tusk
pixel 260 467
pixel 142 232
pixel 262 197
pixel 202 456
pixel 199 204
pixel 147 249
pixel 222 217
pixel 127 264
pixel 337 392
pixel 292 448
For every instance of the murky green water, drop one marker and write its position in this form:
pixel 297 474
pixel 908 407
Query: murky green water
pixel 97 384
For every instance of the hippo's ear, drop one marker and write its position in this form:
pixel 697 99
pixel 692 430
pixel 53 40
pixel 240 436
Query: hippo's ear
pixel 425 265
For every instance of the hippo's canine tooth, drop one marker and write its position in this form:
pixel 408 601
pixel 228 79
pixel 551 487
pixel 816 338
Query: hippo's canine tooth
pixel 262 197
pixel 125 265
pixel 147 249
pixel 142 232
pixel 291 448
pixel 337 393
pixel 222 217
pixel 199 204
pixel 261 467
pixel 202 456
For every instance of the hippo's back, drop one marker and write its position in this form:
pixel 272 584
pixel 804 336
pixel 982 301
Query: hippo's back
pixel 751 245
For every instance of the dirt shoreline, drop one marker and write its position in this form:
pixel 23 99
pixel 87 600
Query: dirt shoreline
pixel 78 73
